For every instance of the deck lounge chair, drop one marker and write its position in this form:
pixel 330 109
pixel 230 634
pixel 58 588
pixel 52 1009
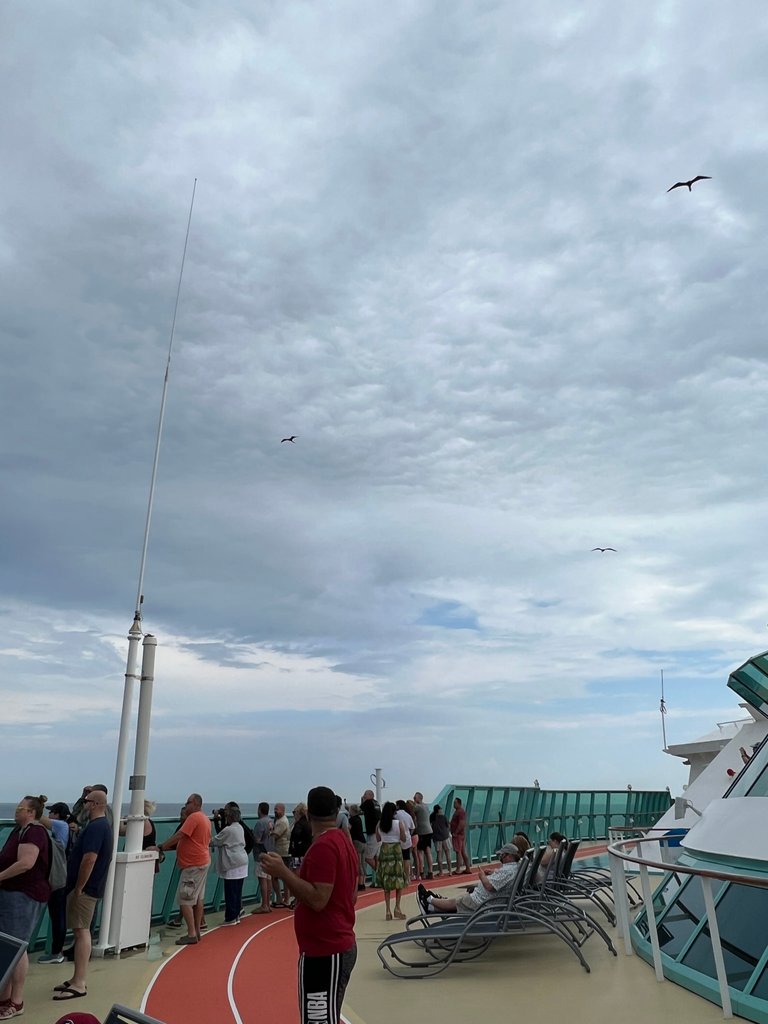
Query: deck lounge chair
pixel 601 878
pixel 429 946
pixel 563 880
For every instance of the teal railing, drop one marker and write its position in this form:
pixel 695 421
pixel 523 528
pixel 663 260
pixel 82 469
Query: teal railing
pixel 166 882
pixel 494 815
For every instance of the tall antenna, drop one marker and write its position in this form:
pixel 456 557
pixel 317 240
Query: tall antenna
pixel 143 563
pixel 663 710
pixel 134 639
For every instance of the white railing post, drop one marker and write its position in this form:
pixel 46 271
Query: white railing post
pixel 620 899
pixel 653 934
pixel 717 949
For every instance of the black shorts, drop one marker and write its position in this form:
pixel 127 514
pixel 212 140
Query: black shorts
pixel 323 981
pixel 406 853
pixel 425 842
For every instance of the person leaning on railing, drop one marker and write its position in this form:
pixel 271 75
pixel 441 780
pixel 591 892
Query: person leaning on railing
pixel 458 829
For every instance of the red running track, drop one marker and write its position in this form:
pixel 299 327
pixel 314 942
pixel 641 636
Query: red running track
pixel 234 975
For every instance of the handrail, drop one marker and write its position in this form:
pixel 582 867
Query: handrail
pixel 483 838
pixel 681 869
pixel 621 851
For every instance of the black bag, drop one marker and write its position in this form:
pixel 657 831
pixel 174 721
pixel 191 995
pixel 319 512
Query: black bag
pixel 248 838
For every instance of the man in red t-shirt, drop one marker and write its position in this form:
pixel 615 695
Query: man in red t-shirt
pixel 191 840
pixel 458 828
pixel 326 891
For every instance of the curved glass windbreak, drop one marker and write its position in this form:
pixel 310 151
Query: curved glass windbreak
pixel 741 916
pixel 685 941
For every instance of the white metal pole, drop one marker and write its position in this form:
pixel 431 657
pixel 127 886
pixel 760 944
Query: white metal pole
pixel 134 636
pixel 620 898
pixel 379 786
pixel 717 949
pixel 134 830
pixel 650 914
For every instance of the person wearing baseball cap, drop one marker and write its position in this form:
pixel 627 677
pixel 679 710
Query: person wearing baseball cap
pixel 78 1018
pixel 493 882
pixel 61 809
pixel 57 821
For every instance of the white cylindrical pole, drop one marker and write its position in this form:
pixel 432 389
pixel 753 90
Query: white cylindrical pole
pixel 134 830
pixel 379 785
pixel 134 636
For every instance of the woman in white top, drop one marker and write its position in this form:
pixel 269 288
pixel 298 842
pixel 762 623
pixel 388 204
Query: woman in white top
pixel 390 832
pixel 231 863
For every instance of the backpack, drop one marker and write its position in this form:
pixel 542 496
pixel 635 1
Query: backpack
pixel 248 837
pixel 57 863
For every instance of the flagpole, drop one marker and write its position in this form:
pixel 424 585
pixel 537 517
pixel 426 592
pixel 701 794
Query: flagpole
pixel 663 710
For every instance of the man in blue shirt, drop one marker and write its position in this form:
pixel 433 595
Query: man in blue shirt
pixel 58 822
pixel 86 877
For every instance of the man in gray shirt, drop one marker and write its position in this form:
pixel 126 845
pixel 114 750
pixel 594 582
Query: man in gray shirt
pixel 424 833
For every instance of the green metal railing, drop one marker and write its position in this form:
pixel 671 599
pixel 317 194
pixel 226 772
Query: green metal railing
pixel 164 905
pixel 579 814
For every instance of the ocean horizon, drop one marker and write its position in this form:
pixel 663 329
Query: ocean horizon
pixel 170 809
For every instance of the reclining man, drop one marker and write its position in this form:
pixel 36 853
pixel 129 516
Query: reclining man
pixel 492 883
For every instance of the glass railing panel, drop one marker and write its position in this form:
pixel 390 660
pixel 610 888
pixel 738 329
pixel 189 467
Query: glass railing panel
pixel 760 990
pixel 741 915
pixel 681 919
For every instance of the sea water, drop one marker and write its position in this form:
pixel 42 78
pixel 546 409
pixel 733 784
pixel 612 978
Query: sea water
pixel 166 810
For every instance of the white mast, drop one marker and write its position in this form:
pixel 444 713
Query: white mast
pixel 135 633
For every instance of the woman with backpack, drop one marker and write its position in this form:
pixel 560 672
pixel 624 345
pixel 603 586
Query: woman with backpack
pixel 25 863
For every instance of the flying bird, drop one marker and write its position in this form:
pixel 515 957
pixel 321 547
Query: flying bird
pixel 292 439
pixel 603 549
pixel 699 177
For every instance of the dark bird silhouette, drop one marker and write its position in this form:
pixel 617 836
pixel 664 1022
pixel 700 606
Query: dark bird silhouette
pixel 292 439
pixel 699 177
pixel 603 549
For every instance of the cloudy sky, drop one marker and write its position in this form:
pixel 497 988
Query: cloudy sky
pixel 434 241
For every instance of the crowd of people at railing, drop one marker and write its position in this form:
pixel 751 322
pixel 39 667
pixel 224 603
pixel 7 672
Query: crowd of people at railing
pixel 59 856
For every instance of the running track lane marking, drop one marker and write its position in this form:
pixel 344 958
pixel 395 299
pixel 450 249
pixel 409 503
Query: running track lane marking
pixel 196 986
pixel 236 961
pixel 185 992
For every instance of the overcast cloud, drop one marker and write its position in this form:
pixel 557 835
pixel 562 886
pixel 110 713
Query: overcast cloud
pixel 433 240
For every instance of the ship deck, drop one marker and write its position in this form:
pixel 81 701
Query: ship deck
pixel 235 974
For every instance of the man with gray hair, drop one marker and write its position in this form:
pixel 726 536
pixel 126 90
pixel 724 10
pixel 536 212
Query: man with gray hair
pixel 493 882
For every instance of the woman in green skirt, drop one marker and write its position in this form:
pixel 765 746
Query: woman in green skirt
pixel 390 832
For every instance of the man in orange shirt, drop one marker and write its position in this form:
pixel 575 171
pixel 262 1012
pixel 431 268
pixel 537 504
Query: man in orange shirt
pixel 192 841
